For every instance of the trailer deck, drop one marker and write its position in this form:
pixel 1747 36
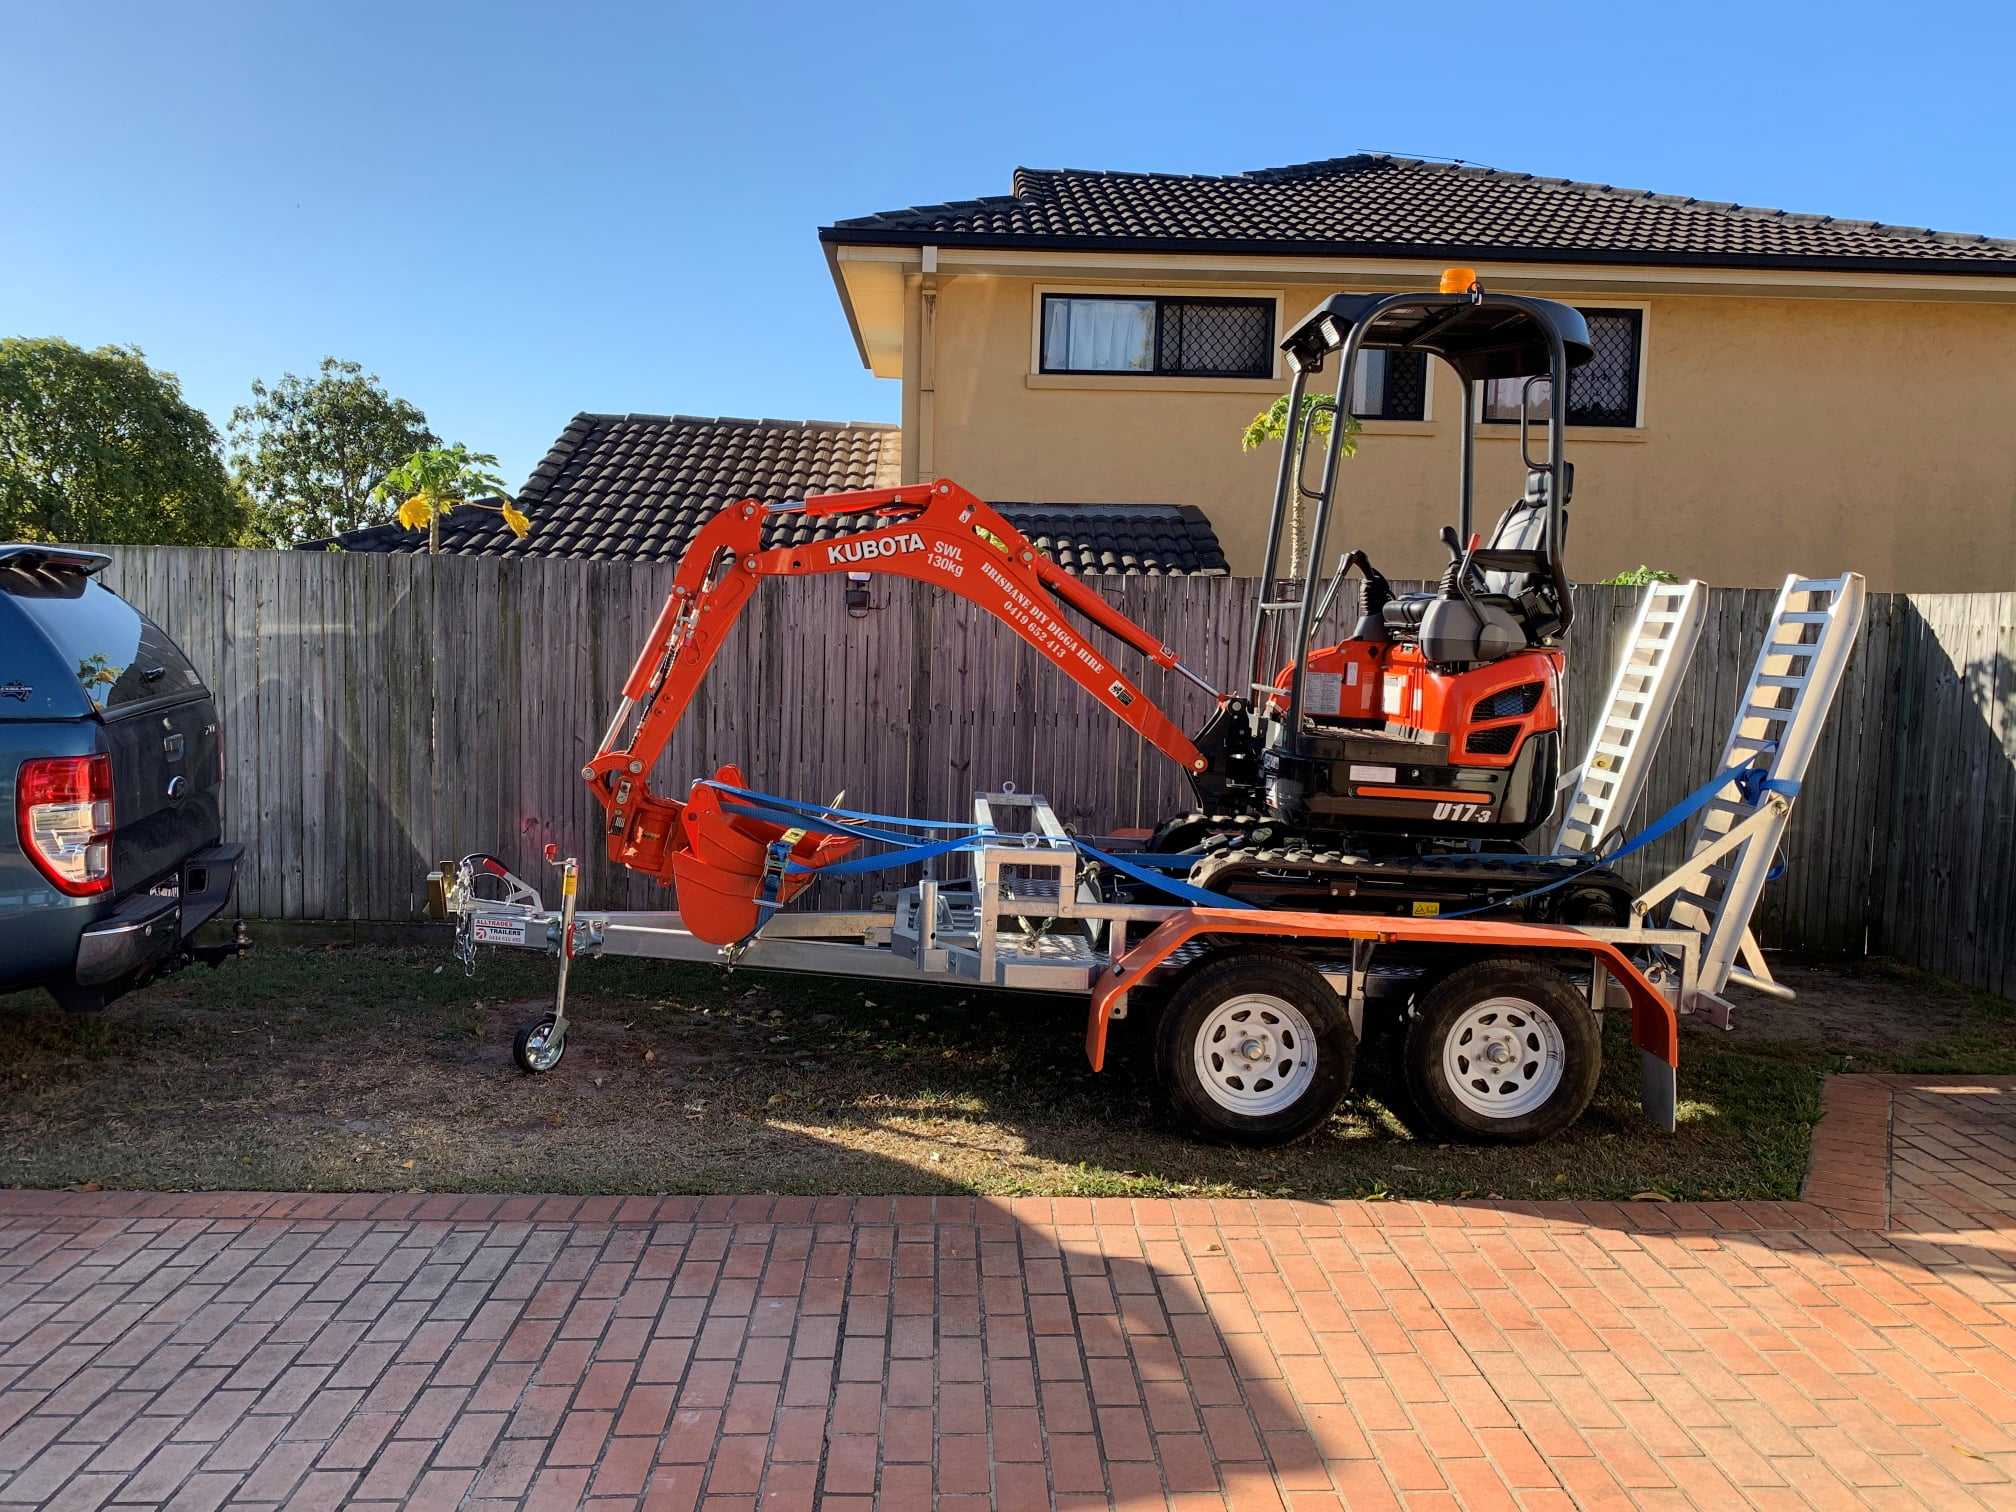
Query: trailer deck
pixel 1020 919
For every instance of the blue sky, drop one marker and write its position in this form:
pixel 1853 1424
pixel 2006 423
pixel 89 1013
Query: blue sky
pixel 514 212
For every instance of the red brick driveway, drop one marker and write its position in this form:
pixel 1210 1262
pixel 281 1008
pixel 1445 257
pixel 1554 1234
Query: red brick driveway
pixel 253 1350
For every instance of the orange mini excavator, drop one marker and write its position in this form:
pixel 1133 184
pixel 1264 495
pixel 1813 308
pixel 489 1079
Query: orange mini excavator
pixel 1395 769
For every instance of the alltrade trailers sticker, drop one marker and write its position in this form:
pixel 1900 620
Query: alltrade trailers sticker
pixel 500 931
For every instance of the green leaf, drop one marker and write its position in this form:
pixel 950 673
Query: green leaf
pixel 314 453
pixel 1271 424
pixel 98 446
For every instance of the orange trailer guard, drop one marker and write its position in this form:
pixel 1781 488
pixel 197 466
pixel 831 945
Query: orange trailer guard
pixel 1655 1027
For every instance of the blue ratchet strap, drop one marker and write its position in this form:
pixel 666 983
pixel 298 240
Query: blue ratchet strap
pixel 1752 781
pixel 826 811
pixel 792 820
pixel 776 861
pixel 889 860
pixel 1201 896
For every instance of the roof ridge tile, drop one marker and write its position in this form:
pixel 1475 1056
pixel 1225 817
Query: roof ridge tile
pixel 1369 202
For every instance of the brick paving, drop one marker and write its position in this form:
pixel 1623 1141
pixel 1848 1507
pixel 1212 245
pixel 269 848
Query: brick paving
pixel 254 1350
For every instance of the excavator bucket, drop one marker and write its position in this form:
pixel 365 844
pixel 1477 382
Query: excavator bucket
pixel 719 858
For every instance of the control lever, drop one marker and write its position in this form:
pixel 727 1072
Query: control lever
pixel 1463 568
pixel 1375 596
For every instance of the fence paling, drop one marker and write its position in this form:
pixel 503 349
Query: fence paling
pixel 383 712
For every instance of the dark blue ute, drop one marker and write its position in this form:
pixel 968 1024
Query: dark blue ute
pixel 111 767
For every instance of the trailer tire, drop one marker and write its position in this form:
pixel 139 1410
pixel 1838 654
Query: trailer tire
pixel 1545 1049
pixel 1254 1048
pixel 533 1048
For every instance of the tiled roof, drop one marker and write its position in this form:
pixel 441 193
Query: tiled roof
pixel 1375 205
pixel 636 487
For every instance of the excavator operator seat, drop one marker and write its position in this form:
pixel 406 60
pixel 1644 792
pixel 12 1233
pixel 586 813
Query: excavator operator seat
pixel 1516 565
pixel 1511 587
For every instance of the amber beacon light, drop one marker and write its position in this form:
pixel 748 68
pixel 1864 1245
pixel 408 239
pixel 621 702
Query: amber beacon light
pixel 1458 280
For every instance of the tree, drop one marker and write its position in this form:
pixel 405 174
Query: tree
pixel 437 480
pixel 1271 424
pixel 99 447
pixel 310 450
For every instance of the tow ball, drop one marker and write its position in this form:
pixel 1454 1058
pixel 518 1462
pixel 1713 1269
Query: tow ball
pixel 540 1044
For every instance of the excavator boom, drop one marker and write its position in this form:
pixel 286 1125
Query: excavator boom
pixel 936 533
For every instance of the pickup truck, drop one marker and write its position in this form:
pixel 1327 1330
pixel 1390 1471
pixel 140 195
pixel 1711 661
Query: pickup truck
pixel 111 766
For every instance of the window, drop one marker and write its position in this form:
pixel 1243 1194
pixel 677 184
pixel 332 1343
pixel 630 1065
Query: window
pixel 1603 391
pixel 1172 338
pixel 1390 385
pixel 120 657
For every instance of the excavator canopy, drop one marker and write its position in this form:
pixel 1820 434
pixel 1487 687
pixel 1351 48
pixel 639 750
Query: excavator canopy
pixel 1480 335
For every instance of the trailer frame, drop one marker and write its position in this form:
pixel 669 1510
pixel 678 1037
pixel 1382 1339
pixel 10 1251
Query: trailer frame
pixel 998 926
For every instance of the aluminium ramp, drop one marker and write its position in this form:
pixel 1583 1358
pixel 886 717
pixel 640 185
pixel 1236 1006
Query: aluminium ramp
pixel 1798 671
pixel 1611 778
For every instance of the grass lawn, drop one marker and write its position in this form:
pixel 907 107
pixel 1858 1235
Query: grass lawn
pixel 373 1068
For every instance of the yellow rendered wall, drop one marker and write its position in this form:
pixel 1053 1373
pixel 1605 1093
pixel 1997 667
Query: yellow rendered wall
pixel 1799 434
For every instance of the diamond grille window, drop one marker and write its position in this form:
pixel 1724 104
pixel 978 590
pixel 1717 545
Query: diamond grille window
pixel 1188 338
pixel 1221 336
pixel 1603 391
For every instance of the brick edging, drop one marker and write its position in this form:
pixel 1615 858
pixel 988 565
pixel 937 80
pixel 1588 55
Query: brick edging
pixel 1848 1173
pixel 1637 1217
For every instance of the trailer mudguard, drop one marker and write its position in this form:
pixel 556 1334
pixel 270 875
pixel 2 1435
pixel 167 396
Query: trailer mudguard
pixel 1655 1026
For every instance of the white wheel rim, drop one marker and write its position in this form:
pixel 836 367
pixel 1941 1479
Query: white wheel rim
pixel 1255 1054
pixel 1503 1057
pixel 540 1049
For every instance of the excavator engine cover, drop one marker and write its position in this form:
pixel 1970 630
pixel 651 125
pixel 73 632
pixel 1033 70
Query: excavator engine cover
pixel 1447 754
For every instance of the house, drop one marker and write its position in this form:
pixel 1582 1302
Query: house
pixel 1770 391
pixel 635 488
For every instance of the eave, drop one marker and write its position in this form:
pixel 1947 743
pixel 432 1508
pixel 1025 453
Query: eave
pixel 870 271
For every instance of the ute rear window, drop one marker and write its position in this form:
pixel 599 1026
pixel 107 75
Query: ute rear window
pixel 119 657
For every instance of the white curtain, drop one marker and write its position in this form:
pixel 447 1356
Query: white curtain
pixel 1099 335
pixel 1501 398
pixel 1368 384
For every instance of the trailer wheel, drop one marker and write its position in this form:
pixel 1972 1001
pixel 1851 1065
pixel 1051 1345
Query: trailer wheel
pixel 1254 1048
pixel 1503 1051
pixel 535 1049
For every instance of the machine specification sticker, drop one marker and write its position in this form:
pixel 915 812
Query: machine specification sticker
pixel 500 931
pixel 1323 692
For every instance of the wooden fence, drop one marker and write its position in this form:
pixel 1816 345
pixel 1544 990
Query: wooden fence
pixel 383 711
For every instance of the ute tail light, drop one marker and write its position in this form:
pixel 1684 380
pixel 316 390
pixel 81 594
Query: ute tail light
pixel 63 810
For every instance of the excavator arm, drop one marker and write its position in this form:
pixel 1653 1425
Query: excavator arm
pixel 936 533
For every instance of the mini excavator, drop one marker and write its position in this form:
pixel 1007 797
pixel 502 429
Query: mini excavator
pixel 1396 769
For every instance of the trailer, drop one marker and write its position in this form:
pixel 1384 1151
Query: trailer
pixel 1260 1013
pixel 1254 1044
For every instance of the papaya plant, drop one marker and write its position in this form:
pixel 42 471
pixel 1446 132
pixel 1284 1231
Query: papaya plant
pixel 437 480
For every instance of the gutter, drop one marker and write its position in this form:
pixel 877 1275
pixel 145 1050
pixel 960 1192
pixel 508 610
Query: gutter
pixel 832 236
